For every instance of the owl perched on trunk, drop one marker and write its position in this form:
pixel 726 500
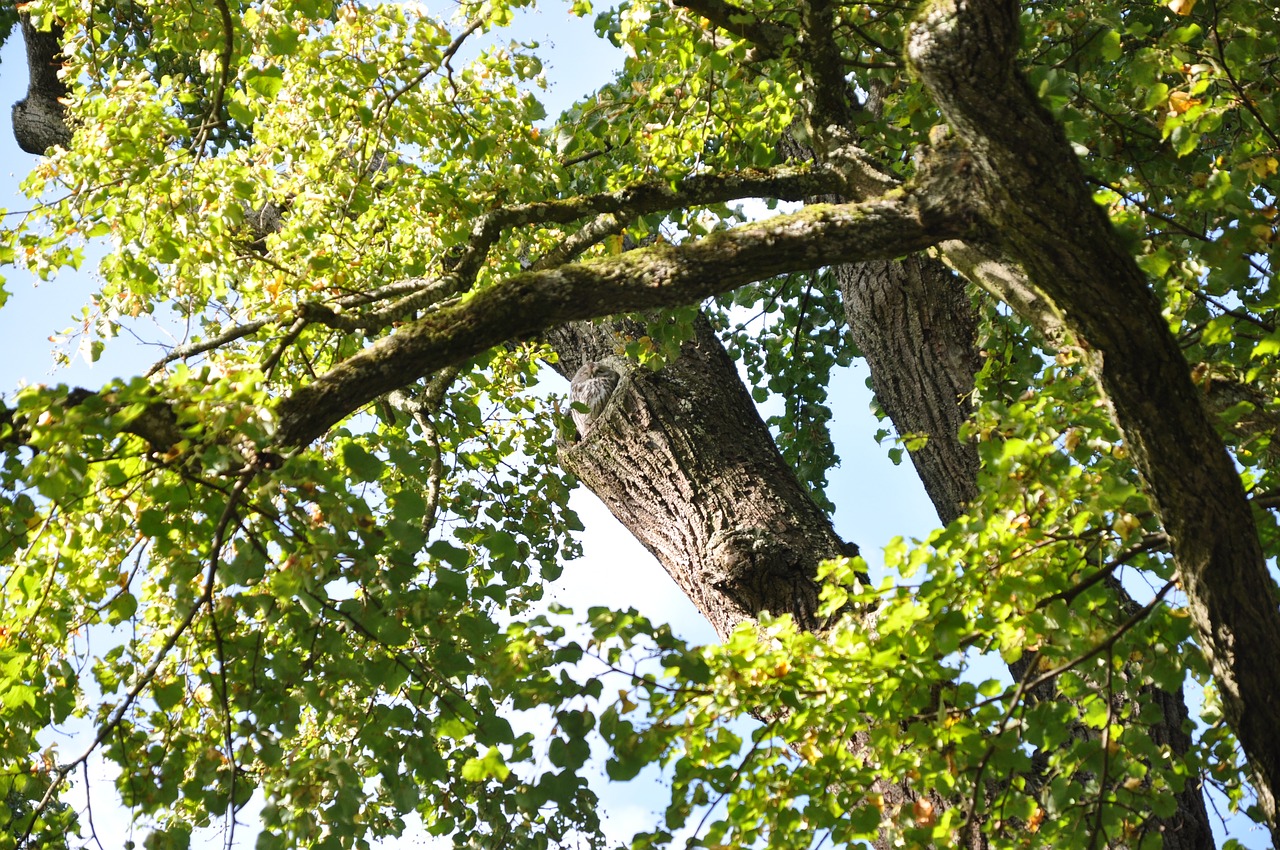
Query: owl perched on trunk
pixel 591 385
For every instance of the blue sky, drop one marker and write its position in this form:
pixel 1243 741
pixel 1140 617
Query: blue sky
pixel 877 501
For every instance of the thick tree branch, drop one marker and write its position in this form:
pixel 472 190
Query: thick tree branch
pixel 683 460
pixel 917 329
pixel 39 119
pixel 831 99
pixel 659 276
pixel 1042 209
pixel 784 184
pixel 610 210
pixel 913 323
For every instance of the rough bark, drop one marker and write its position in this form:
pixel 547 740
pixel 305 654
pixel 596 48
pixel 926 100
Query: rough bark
pixel 648 278
pixel 1041 208
pixel 1086 285
pixel 916 327
pixel 39 118
pixel 683 460
pixel 914 324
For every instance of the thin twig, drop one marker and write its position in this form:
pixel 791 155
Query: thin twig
pixel 1026 685
pixel 1106 758
pixel 291 335
pixel 191 349
pixel 448 54
pixel 737 771
pixel 1148 544
pixel 1245 100
pixel 214 118
pixel 88 806
pixel 1128 624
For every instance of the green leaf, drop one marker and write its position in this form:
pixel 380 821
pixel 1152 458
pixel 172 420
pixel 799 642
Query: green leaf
pixel 1111 49
pixel 364 466
pixel 266 82
pixel 489 766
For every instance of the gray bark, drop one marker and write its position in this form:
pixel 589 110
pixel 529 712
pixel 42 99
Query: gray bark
pixel 681 457
pixel 647 278
pixel 916 327
pixel 39 118
pixel 914 324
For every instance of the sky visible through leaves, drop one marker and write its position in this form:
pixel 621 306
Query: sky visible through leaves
pixel 614 571
pixel 877 500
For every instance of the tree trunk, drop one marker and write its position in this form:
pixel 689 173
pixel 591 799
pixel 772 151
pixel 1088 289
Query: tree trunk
pixel 913 323
pixel 681 457
pixel 1040 207
pixel 916 326
pixel 38 119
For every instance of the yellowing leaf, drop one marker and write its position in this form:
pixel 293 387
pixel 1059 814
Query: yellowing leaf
pixel 1181 7
pixel 1072 439
pixel 1265 166
pixel 1126 524
pixel 1180 102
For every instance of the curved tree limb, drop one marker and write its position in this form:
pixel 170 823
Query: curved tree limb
pixel 1085 284
pixel 659 276
pixel 1043 211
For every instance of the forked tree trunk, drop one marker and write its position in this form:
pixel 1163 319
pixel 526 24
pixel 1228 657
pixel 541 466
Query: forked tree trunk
pixel 683 460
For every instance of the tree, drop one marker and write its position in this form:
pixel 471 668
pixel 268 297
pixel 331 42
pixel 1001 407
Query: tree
pixel 322 525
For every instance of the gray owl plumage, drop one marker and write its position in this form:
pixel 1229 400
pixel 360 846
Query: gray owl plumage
pixel 591 385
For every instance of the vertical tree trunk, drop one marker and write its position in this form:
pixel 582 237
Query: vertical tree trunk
pixel 916 326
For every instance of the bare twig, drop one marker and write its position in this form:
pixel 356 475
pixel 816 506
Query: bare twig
pixel 1149 543
pixel 449 52
pixel 191 349
pixel 214 118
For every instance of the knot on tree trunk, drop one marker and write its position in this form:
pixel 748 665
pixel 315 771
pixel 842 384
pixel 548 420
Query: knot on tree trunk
pixel 38 124
pixel 745 563
pixel 39 119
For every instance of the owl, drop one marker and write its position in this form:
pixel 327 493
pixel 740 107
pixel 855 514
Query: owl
pixel 591 385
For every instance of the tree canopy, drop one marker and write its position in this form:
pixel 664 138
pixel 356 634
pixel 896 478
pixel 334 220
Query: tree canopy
pixel 302 560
